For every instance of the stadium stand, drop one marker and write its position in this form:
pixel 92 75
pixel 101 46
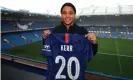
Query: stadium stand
pixel 14 25
pixel 106 20
pixel 20 38
pixel 31 37
pixel 38 32
pixel 41 24
pixel 7 25
pixel 14 39
pixel 114 35
pixel 130 36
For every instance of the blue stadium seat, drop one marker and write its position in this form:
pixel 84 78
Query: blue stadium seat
pixel 115 35
pixel 38 32
pixel 130 36
pixel 30 36
pixel 14 39
pixel 5 46
pixel 103 35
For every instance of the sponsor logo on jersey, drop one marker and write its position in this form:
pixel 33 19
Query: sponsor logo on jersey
pixel 46 48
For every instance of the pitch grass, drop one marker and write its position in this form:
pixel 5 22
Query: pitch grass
pixel 109 60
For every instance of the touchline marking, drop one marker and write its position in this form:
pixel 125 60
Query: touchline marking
pixel 114 54
pixel 118 56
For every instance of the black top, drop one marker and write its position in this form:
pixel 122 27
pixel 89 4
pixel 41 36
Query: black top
pixel 75 29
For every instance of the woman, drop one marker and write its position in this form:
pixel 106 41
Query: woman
pixel 68 25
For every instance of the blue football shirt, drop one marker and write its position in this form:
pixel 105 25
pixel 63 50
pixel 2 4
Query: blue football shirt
pixel 66 56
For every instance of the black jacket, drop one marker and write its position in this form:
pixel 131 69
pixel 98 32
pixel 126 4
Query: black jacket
pixel 75 29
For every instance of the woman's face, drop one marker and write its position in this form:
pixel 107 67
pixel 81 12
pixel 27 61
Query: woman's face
pixel 68 15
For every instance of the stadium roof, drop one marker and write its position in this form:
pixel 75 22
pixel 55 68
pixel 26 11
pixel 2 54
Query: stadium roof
pixel 84 7
pixel 106 10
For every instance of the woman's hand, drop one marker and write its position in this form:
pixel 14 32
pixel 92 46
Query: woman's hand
pixel 91 37
pixel 46 33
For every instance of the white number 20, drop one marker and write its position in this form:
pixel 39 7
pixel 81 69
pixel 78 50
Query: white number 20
pixel 69 66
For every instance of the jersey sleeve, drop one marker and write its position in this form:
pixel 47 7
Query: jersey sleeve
pixel 46 49
pixel 89 50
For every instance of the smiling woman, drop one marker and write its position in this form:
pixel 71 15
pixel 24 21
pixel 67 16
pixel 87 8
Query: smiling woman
pixel 68 12
pixel 69 44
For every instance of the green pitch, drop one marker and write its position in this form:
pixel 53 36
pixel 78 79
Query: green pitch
pixel 115 56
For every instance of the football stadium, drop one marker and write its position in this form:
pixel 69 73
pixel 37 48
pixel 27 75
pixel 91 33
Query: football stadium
pixel 21 42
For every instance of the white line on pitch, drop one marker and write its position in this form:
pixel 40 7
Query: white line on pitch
pixel 114 54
